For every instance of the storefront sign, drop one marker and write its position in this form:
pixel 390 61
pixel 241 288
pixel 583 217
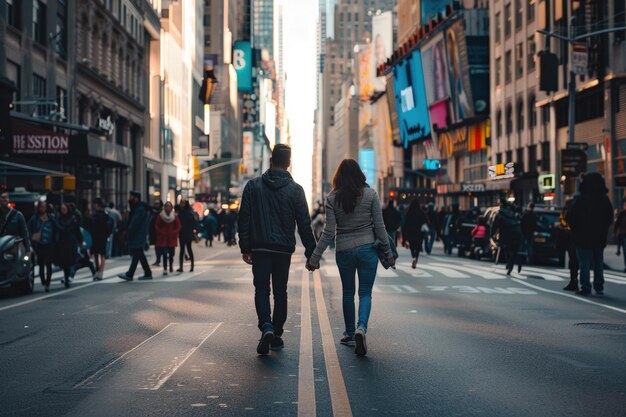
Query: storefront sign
pixel 431 164
pixel 35 141
pixel 242 61
pixel 573 162
pixel 473 188
pixel 465 139
pixel 502 171
pixel 546 183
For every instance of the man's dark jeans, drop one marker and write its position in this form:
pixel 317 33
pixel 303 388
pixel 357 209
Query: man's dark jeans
pixel 588 257
pixel 271 267
pixel 138 256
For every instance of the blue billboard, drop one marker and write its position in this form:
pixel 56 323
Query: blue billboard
pixel 411 104
pixel 242 61
pixel 430 8
pixel 367 160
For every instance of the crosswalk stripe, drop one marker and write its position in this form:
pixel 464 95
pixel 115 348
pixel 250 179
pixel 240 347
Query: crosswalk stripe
pixel 481 272
pixel 448 272
pixel 417 273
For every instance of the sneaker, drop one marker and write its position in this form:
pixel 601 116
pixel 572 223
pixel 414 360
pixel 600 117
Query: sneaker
pixel 361 345
pixel 414 264
pixel 583 292
pixel 347 340
pixel 263 348
pixel 67 282
pixel 145 278
pixel 277 343
pixel 125 277
pixel 157 263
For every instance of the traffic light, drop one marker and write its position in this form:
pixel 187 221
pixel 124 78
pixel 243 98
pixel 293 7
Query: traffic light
pixel 196 169
pixel 548 71
pixel 60 183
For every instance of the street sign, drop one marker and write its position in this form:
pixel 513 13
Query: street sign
pixel 583 146
pixel 573 162
pixel 580 57
pixel 501 171
pixel 546 183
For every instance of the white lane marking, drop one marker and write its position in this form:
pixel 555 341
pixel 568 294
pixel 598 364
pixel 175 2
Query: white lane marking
pixel 32 300
pixel 110 364
pixel 336 384
pixel 465 289
pixel 306 384
pixel 481 272
pixel 448 272
pixel 417 273
pixel 397 289
pixel 574 297
pixel 574 362
pixel 386 273
pixel 180 363
pixel 543 273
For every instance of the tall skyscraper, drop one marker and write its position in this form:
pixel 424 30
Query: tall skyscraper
pixel 263 25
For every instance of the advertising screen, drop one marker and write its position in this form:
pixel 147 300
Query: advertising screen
pixel 242 61
pixel 382 44
pixel 366 76
pixel 410 95
pixel 459 79
pixel 367 160
pixel 437 81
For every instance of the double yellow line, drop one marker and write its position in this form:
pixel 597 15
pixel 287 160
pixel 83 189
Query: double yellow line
pixel 306 385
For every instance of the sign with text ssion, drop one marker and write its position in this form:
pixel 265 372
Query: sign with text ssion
pixel 410 94
pixel 242 61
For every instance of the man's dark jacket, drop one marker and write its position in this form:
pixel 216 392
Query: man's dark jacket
pixel 507 222
pixel 16 225
pixel 271 207
pixel 529 224
pixel 138 226
pixel 591 213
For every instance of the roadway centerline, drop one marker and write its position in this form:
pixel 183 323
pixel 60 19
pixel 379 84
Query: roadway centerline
pixel 336 384
pixel 306 384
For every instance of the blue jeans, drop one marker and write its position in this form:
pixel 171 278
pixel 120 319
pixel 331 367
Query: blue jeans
pixel 586 258
pixel 429 240
pixel 362 259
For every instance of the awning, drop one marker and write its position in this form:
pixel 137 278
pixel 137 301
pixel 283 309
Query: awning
pixel 109 153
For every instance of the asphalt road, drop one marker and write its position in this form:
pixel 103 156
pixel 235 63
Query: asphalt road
pixel 454 337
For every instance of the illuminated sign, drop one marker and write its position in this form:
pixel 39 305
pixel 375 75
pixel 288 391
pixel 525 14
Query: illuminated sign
pixel 431 164
pixel 546 183
pixel 502 171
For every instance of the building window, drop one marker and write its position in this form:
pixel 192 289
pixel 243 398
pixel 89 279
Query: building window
pixel 507 20
pixel 499 158
pixel 498 26
pixel 519 158
pixel 520 115
pixel 530 12
pixel 545 156
pixel 519 14
pixel 499 124
pixel 13 73
pixel 39 91
pixel 532 112
pixel 509 156
pixel 207 39
pixel 39 22
pixel 207 20
pixel 498 71
pixel 509 119
pixel 507 67
pixel 14 13
pixel 519 60
pixel 532 50
pixel 532 158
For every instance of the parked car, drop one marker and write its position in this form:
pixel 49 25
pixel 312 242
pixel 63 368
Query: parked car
pixel 462 230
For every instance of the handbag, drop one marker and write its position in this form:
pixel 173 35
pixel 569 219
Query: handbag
pixel 382 255
pixel 424 228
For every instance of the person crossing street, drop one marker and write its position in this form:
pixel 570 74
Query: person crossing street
pixel 138 223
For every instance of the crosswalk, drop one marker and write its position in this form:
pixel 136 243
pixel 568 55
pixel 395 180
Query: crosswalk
pixel 464 269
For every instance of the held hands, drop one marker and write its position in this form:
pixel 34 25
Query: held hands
pixel 247 258
pixel 310 267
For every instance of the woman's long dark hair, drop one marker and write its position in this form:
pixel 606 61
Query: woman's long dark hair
pixel 348 184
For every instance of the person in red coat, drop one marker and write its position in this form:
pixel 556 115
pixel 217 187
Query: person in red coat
pixel 167 228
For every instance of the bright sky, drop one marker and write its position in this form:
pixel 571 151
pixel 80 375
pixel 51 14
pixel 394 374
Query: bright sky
pixel 299 25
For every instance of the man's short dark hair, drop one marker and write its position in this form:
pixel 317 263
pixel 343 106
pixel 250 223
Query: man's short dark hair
pixel 281 155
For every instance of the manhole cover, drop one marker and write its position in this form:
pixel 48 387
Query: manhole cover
pixel 603 326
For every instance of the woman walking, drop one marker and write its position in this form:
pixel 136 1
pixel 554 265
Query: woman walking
pixel 42 232
pixel 167 229
pixel 354 217
pixel 412 233
pixel 102 227
pixel 186 235
pixel 69 238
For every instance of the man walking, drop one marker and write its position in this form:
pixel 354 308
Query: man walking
pixel 529 226
pixel 590 217
pixel 392 220
pixel 508 224
pixel 138 222
pixel 271 207
pixel 12 222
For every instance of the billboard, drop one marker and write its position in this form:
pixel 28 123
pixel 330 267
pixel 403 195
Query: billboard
pixel 430 8
pixel 366 75
pixel 242 61
pixel 247 159
pixel 367 160
pixel 382 44
pixel 459 79
pixel 437 81
pixel 410 95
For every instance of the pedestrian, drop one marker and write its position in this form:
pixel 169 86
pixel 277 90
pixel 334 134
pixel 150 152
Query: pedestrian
pixel 620 231
pixel 508 225
pixel 70 237
pixel 231 226
pixel 431 221
pixel 392 220
pixel 12 222
pixel 590 217
pixel 566 243
pixel 155 211
pixel 529 226
pixel 448 228
pixel 137 233
pixel 267 241
pixel 43 233
pixel 117 219
pixel 479 235
pixel 355 219
pixel 414 220
pixel 102 227
pixel 186 235
pixel 167 230
pixel 209 223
